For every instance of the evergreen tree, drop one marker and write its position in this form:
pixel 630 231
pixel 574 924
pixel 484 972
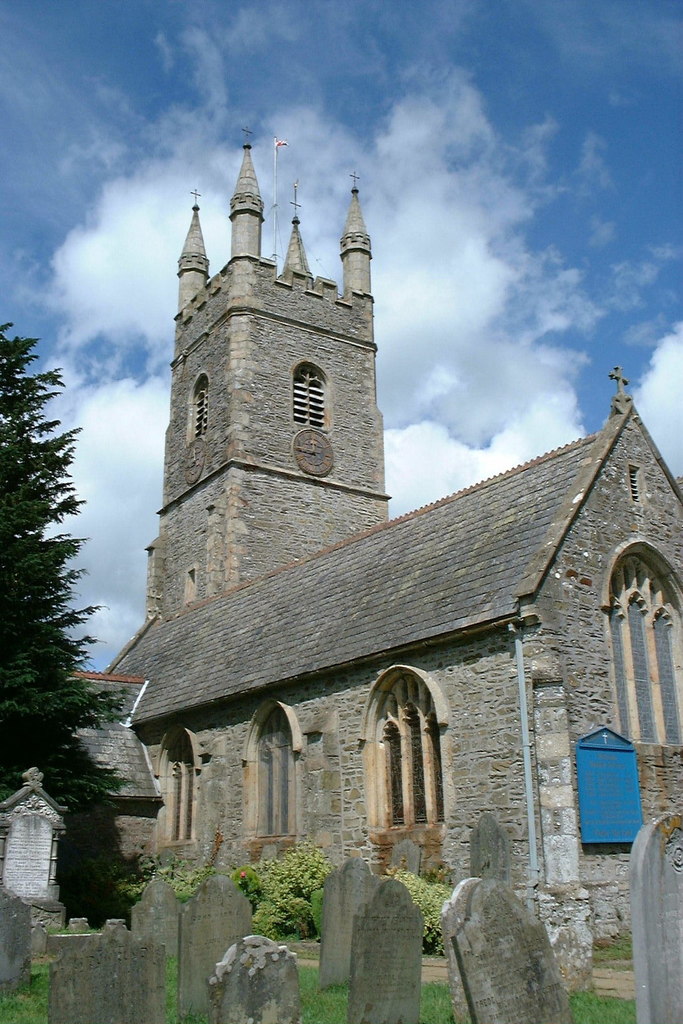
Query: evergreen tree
pixel 42 702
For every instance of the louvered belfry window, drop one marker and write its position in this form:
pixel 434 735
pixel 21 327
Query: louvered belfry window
pixel 201 407
pixel 309 396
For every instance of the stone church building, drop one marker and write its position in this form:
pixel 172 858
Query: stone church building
pixel 309 669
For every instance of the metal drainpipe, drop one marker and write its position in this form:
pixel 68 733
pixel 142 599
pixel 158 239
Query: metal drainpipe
pixel 528 778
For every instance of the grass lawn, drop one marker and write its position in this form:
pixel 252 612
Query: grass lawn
pixel 30 1005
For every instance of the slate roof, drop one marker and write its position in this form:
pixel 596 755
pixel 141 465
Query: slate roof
pixel 455 564
pixel 115 745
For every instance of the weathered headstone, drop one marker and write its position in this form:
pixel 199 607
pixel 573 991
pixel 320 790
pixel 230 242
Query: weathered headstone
pixel 657 920
pixel 15 942
pixel 30 826
pixel 505 959
pixel 490 849
pixel 347 889
pixel 450 922
pixel 407 855
pixel 114 979
pixel 256 982
pixel 215 918
pixel 386 959
pixel 38 939
pixel 156 916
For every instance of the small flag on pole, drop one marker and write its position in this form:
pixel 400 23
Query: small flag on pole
pixel 281 142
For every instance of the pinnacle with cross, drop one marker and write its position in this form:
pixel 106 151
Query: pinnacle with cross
pixel 355 180
pixel 196 195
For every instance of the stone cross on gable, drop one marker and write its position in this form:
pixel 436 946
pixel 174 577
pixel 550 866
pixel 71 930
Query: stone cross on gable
pixel 621 401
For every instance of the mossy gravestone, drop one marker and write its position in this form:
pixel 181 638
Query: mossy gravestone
pixel 156 916
pixel 15 942
pixel 114 979
pixel 256 982
pixel 215 918
pixel 347 890
pixel 657 919
pixel 506 962
pixel 386 959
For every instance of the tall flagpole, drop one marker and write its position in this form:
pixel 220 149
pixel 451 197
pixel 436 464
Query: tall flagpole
pixel 276 231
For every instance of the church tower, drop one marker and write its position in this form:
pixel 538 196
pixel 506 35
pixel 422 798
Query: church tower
pixel 274 448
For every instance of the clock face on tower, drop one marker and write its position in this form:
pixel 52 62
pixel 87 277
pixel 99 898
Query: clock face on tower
pixel 313 452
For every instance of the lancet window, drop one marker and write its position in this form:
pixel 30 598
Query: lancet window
pixel 200 407
pixel 645 633
pixel 178 785
pixel 275 776
pixel 309 396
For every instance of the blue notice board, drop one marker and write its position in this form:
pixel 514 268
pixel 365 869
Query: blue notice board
pixel 609 794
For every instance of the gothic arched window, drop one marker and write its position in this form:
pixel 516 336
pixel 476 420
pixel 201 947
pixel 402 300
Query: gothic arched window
pixel 177 778
pixel 200 407
pixel 645 631
pixel 275 776
pixel 308 396
pixel 404 753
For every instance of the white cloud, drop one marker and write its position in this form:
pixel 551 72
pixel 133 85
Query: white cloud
pixel 117 471
pixel 658 398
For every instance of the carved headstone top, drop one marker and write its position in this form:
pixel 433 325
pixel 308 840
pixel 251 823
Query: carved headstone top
pixel 506 963
pixel 657 919
pixel 256 982
pixel 33 778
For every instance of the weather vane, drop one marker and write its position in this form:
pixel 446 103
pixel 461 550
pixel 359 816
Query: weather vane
pixel 355 178
pixel 247 133
pixel 196 195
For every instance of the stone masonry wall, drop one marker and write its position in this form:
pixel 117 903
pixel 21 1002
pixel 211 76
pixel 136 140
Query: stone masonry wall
pixel 481 754
pixel 576 629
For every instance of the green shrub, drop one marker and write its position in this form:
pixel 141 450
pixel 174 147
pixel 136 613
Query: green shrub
pixel 183 877
pixel 247 881
pixel 287 886
pixel 317 910
pixel 430 898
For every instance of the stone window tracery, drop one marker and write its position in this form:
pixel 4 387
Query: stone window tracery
pixel 309 396
pixel 645 626
pixel 177 779
pixel 404 754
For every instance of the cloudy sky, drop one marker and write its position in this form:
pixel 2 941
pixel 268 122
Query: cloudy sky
pixel 519 168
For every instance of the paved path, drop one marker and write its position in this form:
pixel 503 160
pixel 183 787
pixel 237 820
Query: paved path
pixel 616 981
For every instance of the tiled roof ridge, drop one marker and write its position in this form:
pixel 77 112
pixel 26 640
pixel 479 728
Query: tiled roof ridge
pixel 110 677
pixel 421 510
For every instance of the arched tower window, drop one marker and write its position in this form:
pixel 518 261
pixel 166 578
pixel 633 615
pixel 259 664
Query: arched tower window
pixel 177 778
pixel 645 633
pixel 200 407
pixel 308 396
pixel 404 771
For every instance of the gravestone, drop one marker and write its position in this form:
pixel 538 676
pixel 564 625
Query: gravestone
pixel 451 920
pixel 38 939
pixel 347 889
pixel 505 959
pixel 657 920
pixel 156 916
pixel 386 959
pixel 114 979
pixel 407 855
pixel 217 916
pixel 256 982
pixel 490 850
pixel 30 826
pixel 15 942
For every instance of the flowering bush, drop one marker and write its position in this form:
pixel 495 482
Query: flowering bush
pixel 287 886
pixel 247 881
